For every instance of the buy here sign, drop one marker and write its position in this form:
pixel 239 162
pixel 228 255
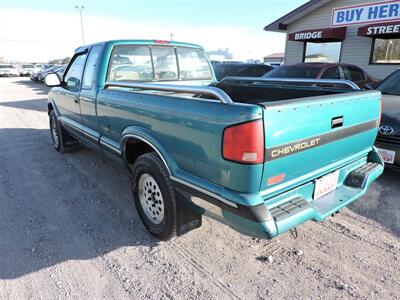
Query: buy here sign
pixel 366 13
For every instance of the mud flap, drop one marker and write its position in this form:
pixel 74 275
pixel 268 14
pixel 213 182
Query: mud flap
pixel 189 215
pixel 67 139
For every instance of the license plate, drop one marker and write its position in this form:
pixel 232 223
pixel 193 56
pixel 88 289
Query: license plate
pixel 387 155
pixel 325 185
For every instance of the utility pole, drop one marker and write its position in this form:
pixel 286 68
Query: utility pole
pixel 80 9
pixel 171 36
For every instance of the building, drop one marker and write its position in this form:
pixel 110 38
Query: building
pixel 220 54
pixel 361 32
pixel 275 59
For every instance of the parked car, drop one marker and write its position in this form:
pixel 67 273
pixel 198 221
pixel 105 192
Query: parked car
pixel 26 70
pixel 44 73
pixel 324 71
pixel 40 69
pixel 60 71
pixel 8 70
pixel 34 76
pixel 240 70
pixel 231 149
pixel 388 140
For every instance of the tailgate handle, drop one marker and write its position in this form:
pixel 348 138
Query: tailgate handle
pixel 337 122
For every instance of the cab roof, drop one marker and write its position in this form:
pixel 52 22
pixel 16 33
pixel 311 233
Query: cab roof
pixel 138 42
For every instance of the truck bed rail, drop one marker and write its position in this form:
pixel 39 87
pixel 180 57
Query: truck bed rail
pixel 200 90
pixel 348 83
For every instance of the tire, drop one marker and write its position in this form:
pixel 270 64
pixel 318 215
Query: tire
pixel 154 196
pixel 62 141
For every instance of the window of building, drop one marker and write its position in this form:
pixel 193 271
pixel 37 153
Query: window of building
pixel 386 51
pixel 322 52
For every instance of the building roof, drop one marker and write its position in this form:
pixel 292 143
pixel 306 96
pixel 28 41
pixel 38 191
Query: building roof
pixel 275 55
pixel 281 24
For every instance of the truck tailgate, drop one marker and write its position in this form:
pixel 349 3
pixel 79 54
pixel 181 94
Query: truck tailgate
pixel 305 135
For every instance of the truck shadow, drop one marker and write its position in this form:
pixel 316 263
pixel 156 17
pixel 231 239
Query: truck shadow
pixel 382 202
pixel 34 104
pixel 58 207
pixel 37 87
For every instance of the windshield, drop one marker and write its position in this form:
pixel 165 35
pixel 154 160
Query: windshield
pixel 6 67
pixel 27 66
pixel 293 72
pixel 390 85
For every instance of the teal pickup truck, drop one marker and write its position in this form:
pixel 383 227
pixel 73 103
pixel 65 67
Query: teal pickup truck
pixel 262 155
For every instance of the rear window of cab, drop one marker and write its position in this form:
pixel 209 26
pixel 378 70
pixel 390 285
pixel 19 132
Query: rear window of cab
pixel 157 63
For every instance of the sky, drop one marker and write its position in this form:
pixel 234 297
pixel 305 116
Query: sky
pixel 42 30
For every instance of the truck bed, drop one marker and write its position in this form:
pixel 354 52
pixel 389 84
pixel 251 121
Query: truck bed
pixel 258 92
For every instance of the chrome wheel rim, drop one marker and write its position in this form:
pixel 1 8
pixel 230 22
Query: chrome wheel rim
pixel 54 133
pixel 151 199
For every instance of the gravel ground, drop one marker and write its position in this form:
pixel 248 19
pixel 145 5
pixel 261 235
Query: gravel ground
pixel 68 229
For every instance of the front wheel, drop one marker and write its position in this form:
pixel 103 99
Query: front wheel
pixel 154 196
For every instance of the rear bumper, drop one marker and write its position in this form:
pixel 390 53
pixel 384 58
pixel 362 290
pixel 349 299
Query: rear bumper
pixel 290 209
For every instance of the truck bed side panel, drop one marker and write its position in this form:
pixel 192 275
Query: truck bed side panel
pixel 190 129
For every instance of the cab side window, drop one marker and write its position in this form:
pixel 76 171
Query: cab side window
pixel 73 77
pixel 331 73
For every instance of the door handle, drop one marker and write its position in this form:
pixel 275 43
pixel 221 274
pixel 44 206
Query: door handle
pixel 76 99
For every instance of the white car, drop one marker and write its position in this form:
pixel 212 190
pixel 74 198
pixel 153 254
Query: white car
pixel 8 70
pixel 41 67
pixel 26 70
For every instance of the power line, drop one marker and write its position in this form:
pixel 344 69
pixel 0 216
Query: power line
pixel 33 42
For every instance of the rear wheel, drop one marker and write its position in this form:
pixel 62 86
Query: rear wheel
pixel 154 196
pixel 62 140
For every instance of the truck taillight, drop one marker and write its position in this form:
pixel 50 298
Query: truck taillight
pixel 244 143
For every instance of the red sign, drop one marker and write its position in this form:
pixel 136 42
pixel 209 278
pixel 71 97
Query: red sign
pixel 319 35
pixel 384 30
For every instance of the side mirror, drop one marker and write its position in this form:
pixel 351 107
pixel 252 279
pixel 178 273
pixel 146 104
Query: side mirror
pixel 370 86
pixel 52 80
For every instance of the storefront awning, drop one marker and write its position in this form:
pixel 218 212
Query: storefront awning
pixel 319 35
pixel 382 30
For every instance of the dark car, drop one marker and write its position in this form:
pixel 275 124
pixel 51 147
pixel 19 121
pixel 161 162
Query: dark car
pixel 39 69
pixel 388 140
pixel 223 70
pixel 60 72
pixel 324 71
pixel 45 72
